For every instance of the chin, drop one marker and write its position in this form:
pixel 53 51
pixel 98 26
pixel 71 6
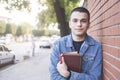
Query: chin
pixel 80 34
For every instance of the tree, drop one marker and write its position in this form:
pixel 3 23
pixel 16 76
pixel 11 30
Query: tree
pixel 38 33
pixel 2 27
pixel 62 8
pixel 61 18
pixel 16 4
pixel 46 17
pixel 26 28
pixel 8 29
pixel 13 29
pixel 19 31
pixel 42 19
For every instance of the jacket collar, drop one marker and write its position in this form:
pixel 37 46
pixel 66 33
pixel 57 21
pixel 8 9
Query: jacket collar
pixel 88 41
pixel 69 41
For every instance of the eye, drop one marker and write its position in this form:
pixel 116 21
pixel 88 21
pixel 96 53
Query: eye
pixel 74 20
pixel 84 21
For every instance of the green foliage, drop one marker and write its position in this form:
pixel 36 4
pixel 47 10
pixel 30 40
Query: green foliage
pixel 42 19
pixel 47 32
pixel 23 29
pixel 49 16
pixel 13 29
pixel 16 4
pixel 8 29
pixel 54 32
pixel 2 27
pixel 46 17
pixel 19 31
pixel 38 33
pixel 43 32
pixel 68 5
pixel 26 28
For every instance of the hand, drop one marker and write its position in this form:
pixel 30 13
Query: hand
pixel 62 68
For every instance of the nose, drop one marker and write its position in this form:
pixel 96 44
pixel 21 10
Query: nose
pixel 79 24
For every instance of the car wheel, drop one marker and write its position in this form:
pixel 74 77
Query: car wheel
pixel 13 61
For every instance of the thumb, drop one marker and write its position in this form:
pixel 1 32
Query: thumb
pixel 61 59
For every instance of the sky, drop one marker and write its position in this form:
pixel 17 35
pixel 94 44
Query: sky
pixel 18 17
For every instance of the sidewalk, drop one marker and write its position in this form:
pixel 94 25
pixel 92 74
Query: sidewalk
pixel 35 68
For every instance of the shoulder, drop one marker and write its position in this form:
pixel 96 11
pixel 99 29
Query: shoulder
pixel 63 39
pixel 92 41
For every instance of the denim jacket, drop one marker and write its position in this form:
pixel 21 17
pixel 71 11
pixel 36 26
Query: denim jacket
pixel 91 52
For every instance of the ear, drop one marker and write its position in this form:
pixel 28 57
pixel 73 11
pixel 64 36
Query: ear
pixel 69 24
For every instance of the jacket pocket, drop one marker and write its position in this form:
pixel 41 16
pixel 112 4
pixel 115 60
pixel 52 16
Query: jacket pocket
pixel 87 62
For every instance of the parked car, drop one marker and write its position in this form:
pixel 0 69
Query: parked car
pixel 2 40
pixel 6 55
pixel 45 44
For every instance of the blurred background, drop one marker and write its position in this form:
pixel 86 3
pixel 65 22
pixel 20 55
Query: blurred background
pixel 33 24
pixel 28 30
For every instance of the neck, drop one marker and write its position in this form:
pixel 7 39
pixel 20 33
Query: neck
pixel 79 37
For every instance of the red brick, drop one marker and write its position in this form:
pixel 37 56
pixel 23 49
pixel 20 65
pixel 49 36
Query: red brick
pixel 91 3
pixel 115 19
pixel 98 10
pixel 111 50
pixel 105 27
pixel 112 10
pixel 104 16
pixel 112 70
pixel 112 60
pixel 113 31
pixel 105 77
pixel 94 7
pixel 108 22
pixel 107 72
pixel 119 53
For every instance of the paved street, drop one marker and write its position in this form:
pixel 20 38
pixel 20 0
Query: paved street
pixel 35 68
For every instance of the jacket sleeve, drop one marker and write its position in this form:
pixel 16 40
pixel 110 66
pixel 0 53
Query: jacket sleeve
pixel 95 71
pixel 54 59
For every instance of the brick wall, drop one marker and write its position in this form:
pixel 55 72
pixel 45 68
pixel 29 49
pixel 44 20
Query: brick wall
pixel 105 27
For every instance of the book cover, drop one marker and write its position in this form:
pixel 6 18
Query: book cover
pixel 73 61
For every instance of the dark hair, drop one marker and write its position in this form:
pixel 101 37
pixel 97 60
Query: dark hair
pixel 81 9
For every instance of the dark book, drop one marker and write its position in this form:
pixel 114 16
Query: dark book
pixel 73 60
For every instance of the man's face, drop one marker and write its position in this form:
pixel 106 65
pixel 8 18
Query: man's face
pixel 79 23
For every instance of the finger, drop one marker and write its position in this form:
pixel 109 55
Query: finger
pixel 61 56
pixel 63 61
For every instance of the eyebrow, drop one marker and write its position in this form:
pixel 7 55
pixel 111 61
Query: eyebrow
pixel 84 19
pixel 81 19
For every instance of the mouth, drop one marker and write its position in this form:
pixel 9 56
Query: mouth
pixel 79 29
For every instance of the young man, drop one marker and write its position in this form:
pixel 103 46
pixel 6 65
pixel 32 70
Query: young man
pixel 81 42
